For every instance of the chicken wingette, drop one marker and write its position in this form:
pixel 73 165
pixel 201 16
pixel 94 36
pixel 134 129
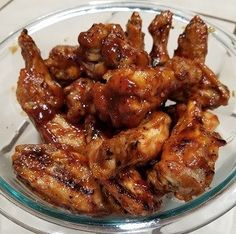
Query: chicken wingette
pixel 188 158
pixel 59 175
pixel 130 147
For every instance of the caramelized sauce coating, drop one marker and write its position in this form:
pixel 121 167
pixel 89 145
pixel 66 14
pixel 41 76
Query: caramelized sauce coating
pixel 38 94
pixel 110 145
pixel 78 99
pixel 63 63
pixel 59 175
pixel 130 93
pixel 160 29
pixel 134 32
pixel 105 46
pixel 134 146
pixel 192 43
pixel 188 158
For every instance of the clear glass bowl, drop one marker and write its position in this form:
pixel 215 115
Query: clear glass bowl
pixel 23 207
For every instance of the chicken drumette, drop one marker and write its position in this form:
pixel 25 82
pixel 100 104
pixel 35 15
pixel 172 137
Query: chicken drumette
pixel 160 29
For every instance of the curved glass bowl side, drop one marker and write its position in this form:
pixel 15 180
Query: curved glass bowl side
pixel 55 215
pixel 173 225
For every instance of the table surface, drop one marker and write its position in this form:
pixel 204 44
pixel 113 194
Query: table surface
pixel 16 13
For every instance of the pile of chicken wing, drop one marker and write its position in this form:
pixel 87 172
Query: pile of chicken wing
pixel 111 144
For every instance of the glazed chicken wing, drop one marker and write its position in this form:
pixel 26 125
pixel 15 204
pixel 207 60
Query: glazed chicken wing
pixel 59 130
pixel 117 52
pixel 188 158
pixel 130 93
pixel 209 91
pixel 192 43
pixel 90 48
pixel 63 63
pixel 128 191
pixel 79 99
pixel 210 121
pixel 39 96
pixel 132 192
pixel 134 32
pixel 138 198
pixel 59 175
pixel 130 147
pixel 160 29
pixel 105 46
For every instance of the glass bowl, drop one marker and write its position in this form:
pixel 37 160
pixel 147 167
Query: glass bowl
pixel 23 207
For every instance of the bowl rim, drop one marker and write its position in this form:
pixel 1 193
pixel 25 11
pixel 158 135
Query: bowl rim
pixel 166 216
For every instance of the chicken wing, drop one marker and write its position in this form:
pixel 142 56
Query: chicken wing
pixel 105 46
pixel 192 43
pixel 210 121
pixel 160 29
pixel 117 52
pixel 134 32
pixel 130 93
pixel 209 91
pixel 132 192
pixel 79 99
pixel 63 63
pixel 130 147
pixel 38 94
pixel 188 158
pixel 59 175
pixel 86 143
pixel 41 98
pixel 59 130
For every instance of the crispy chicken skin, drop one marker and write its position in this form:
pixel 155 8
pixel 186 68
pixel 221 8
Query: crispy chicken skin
pixel 63 64
pixel 188 158
pixel 39 96
pixel 132 192
pixel 130 93
pixel 134 146
pixel 160 29
pixel 59 175
pixel 134 32
pixel 192 43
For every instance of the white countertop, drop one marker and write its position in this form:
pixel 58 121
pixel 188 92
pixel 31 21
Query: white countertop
pixel 16 13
